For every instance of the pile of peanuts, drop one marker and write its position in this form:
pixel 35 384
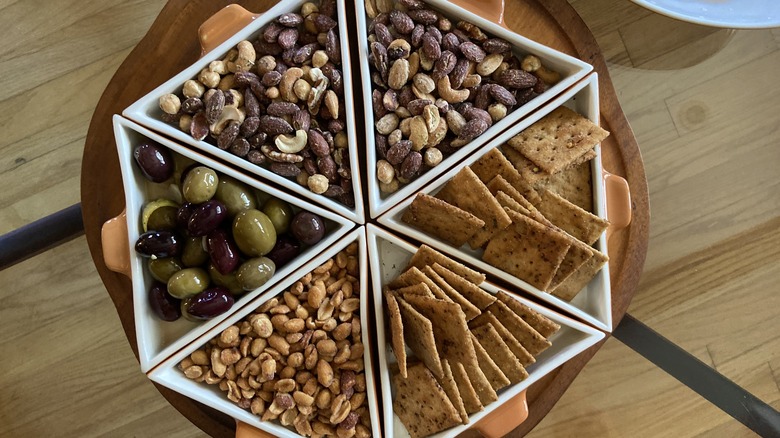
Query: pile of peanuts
pixel 277 101
pixel 297 359
pixel 437 86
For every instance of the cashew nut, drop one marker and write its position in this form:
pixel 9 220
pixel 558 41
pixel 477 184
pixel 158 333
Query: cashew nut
pixel 280 157
pixel 471 81
pixel 530 63
pixel 431 115
pixel 447 93
pixel 246 56
pixel 228 113
pixel 292 144
pixel 286 84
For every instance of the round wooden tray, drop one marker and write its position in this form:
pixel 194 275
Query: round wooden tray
pixel 172 44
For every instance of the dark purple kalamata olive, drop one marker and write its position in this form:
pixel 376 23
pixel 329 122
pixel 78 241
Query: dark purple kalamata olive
pixel 307 227
pixel 222 251
pixel 209 303
pixel 159 244
pixel 206 217
pixel 286 249
pixel 184 213
pixel 154 160
pixel 163 304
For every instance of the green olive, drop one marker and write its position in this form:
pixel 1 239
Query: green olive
pixel 236 195
pixel 200 185
pixel 159 215
pixel 163 269
pixel 229 281
pixel 253 273
pixel 193 254
pixel 254 233
pixel 188 282
pixel 280 214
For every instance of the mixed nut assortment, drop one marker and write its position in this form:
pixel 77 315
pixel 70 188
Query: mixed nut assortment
pixel 438 85
pixel 277 101
pixel 298 358
pixel 215 240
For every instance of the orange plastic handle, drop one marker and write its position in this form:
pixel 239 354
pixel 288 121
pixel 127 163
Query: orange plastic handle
pixel 244 430
pixel 618 202
pixel 504 419
pixel 223 25
pixel 116 249
pixel 491 10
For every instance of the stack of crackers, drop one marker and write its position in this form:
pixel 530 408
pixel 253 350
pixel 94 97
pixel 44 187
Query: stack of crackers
pixel 528 205
pixel 466 343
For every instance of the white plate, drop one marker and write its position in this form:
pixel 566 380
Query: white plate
pixel 570 68
pixel 159 339
pixel 389 256
pixel 594 303
pixel 736 14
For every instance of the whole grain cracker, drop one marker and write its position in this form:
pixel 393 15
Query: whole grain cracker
pixel 502 356
pixel 558 139
pixel 469 290
pixel 542 324
pixel 419 289
pixel 479 381
pixel 414 276
pixel 581 277
pixel 573 183
pixel 418 334
pixel 531 340
pixel 514 345
pixel 499 184
pixel 578 254
pixel 507 201
pixel 450 329
pixel 451 389
pixel 396 331
pixel 426 255
pixel 442 220
pixel 495 163
pixel 492 371
pixel 470 399
pixel 470 310
pixel 579 223
pixel 468 192
pixel 421 404
pixel 525 167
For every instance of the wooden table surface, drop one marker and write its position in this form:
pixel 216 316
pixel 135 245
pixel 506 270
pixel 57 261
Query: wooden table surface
pixel 702 104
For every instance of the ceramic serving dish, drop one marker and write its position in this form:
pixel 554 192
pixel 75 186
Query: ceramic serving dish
pixel 389 256
pixel 488 16
pixel 218 35
pixel 167 373
pixel 593 304
pixel 158 339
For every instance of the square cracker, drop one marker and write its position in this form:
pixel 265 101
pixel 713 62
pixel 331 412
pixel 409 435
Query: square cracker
pixel 469 193
pixel 574 183
pixel 525 167
pixel 514 345
pixel 492 372
pixel 413 277
pixel 528 250
pixel 421 404
pixel 450 329
pixel 470 399
pixel 469 290
pixel 581 277
pixel 531 340
pixel 495 163
pixel 470 310
pixel 507 201
pixel 542 324
pixel 581 224
pixel 558 139
pixel 578 254
pixel 416 289
pixel 499 184
pixel 442 220
pixel 426 255
pixel 502 356
pixel 480 382
pixel 396 331
pixel 418 334
pixel 451 389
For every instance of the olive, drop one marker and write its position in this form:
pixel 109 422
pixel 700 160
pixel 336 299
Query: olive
pixel 199 185
pixel 307 227
pixel 209 303
pixel 194 254
pixel 253 273
pixel 286 249
pixel 222 251
pixel 163 304
pixel 206 217
pixel 159 215
pixel 157 244
pixel 184 213
pixel 280 214
pixel 154 160
pixel 236 195
pixel 228 281
pixel 254 233
pixel 188 282
pixel 163 269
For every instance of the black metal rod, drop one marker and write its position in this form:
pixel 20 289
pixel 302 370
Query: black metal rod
pixel 734 400
pixel 41 235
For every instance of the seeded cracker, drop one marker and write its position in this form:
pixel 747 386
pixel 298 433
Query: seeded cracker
pixel 396 331
pixel 573 184
pixel 467 393
pixel 531 340
pixel 514 345
pixel 469 290
pixel 442 220
pixel 495 163
pixel 581 277
pixel 578 254
pixel 558 139
pixel 414 276
pixel 527 169
pixel 528 250
pixel 499 184
pixel 469 193
pixel 449 329
pixel 500 353
pixel 419 289
pixel 421 404
pixel 506 201
pixel 481 385
pixel 426 255
pixel 418 334
pixel 542 324
pixel 492 372
pixel 451 389
pixel 470 310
